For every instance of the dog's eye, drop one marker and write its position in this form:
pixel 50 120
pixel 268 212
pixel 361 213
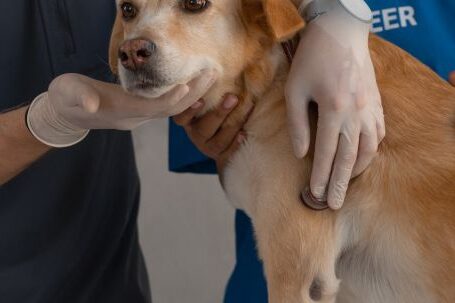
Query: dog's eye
pixel 195 6
pixel 129 11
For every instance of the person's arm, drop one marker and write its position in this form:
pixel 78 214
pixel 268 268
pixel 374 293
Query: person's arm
pixel 18 148
pixel 75 104
pixel 333 68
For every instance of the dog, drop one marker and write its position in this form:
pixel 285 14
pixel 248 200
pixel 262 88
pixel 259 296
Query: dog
pixel 394 240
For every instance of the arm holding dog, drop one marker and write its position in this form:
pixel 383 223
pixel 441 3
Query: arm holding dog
pixel 333 68
pixel 75 104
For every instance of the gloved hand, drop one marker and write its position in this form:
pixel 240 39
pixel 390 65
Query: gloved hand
pixel 75 104
pixel 210 134
pixel 333 68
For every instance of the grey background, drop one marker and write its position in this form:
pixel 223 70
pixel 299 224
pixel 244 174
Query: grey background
pixel 186 226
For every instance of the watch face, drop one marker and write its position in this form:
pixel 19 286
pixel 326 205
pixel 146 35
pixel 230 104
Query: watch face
pixel 358 9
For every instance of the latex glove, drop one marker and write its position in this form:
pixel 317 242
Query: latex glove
pixel 75 104
pixel 452 78
pixel 333 68
pixel 211 135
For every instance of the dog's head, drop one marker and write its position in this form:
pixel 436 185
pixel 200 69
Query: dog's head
pixel 157 44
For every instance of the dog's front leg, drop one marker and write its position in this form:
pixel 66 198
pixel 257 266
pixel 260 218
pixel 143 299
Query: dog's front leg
pixel 299 249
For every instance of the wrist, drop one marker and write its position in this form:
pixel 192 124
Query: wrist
pixel 339 24
pixel 357 9
pixel 14 132
pixel 50 128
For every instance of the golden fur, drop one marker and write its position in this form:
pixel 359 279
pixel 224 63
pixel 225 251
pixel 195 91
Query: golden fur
pixel 394 240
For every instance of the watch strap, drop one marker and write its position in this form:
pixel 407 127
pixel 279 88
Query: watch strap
pixel 357 8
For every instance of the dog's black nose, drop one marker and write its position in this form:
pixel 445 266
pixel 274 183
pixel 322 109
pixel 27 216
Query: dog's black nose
pixel 134 54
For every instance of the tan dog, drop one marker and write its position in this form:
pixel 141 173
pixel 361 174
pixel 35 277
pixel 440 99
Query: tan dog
pixel 394 240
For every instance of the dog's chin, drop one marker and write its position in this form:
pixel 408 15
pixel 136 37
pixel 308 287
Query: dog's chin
pixel 149 92
pixel 153 90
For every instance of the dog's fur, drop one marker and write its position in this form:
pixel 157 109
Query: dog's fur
pixel 394 240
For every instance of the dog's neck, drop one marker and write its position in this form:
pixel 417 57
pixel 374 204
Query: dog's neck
pixel 264 75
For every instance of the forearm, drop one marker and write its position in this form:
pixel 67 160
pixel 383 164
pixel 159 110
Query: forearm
pixel 18 148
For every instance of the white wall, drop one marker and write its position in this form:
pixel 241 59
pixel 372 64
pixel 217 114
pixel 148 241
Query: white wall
pixel 186 226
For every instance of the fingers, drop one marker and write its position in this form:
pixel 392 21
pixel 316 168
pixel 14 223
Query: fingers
pixel 368 148
pixel 370 137
pixel 452 78
pixel 185 118
pixel 226 134
pixel 183 96
pixel 198 87
pixel 299 122
pixel 342 169
pixel 172 97
pixel 380 126
pixel 379 114
pixel 325 150
pixel 213 133
pixel 207 126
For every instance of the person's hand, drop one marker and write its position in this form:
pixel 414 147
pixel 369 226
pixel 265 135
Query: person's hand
pixel 333 68
pixel 75 104
pixel 211 134
pixel 452 78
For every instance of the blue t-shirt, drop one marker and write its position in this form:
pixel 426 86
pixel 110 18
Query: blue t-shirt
pixel 423 28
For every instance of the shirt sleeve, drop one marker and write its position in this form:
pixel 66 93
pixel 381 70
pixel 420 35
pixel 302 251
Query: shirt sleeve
pixel 184 157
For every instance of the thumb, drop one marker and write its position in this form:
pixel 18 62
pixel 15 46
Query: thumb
pixel 299 123
pixel 74 91
pixel 89 99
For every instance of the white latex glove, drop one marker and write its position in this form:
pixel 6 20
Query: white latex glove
pixel 333 68
pixel 75 104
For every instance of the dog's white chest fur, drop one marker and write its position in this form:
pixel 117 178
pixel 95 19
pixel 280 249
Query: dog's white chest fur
pixel 239 179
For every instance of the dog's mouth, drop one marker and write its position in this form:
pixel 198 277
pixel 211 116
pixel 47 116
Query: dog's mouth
pixel 144 79
pixel 145 84
pixel 155 82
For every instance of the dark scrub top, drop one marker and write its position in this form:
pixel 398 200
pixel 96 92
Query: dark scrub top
pixel 424 28
pixel 68 230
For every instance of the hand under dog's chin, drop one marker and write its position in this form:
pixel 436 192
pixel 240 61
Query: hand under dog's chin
pixel 150 93
pixel 152 90
pixel 212 97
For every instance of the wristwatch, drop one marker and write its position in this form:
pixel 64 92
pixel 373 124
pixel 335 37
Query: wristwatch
pixel 315 8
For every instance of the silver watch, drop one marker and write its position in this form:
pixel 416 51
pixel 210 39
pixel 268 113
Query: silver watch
pixel 357 8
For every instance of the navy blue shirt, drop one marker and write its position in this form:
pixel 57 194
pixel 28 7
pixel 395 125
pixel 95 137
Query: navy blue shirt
pixel 68 224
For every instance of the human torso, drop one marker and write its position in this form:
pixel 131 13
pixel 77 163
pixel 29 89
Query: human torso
pixel 71 216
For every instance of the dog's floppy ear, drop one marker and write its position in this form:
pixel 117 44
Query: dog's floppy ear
pixel 283 18
pixel 279 18
pixel 116 39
